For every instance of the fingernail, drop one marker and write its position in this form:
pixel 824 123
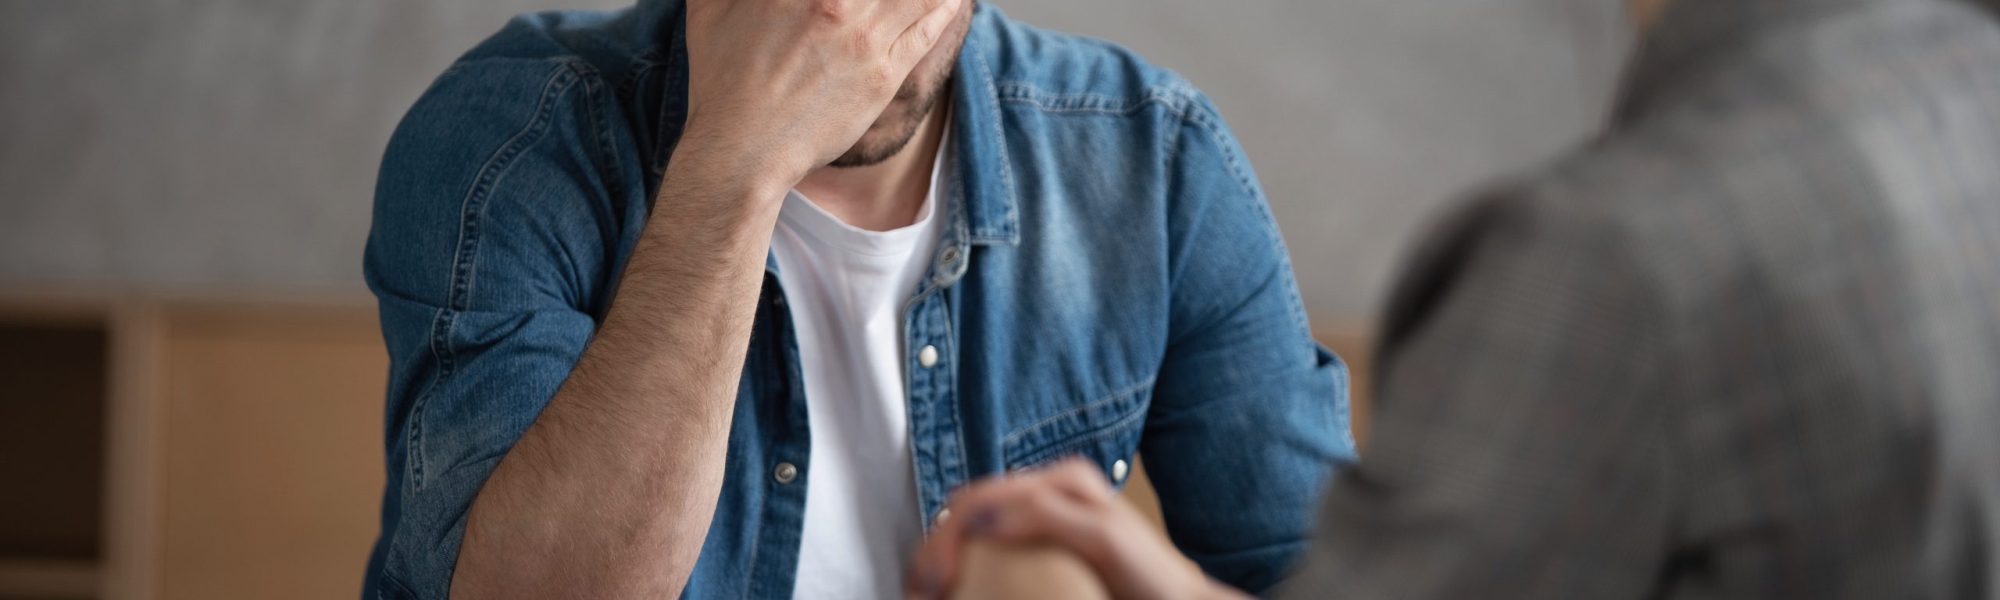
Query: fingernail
pixel 982 523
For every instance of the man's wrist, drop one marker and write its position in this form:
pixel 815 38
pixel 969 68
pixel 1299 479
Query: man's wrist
pixel 723 174
pixel 718 163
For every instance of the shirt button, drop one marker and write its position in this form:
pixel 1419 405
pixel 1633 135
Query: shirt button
pixel 943 513
pixel 1119 470
pixel 785 473
pixel 927 357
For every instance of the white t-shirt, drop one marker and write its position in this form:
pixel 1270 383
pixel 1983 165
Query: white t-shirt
pixel 846 288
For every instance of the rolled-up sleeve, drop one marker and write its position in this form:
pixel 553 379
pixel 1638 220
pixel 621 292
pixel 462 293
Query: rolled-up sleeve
pixel 499 210
pixel 1249 414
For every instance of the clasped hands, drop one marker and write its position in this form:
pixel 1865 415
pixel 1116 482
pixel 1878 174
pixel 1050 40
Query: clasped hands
pixel 1067 511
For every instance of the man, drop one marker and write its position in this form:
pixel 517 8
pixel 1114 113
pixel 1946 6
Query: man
pixel 721 300
pixel 1743 346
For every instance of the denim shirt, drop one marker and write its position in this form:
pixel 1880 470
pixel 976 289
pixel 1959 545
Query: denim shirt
pixel 1109 283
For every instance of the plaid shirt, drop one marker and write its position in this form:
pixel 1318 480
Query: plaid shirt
pixel 1746 345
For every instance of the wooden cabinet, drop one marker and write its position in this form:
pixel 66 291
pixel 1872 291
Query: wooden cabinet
pixel 188 445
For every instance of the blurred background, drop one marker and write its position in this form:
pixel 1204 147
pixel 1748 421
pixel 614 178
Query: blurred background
pixel 190 374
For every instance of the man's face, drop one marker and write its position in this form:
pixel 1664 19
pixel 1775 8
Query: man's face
pixel 914 101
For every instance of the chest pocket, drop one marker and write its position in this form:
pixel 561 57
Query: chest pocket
pixel 1106 431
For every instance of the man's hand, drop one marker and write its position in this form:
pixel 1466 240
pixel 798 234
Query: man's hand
pixel 786 86
pixel 1070 506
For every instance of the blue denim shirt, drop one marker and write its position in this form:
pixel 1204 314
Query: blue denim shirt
pixel 1109 283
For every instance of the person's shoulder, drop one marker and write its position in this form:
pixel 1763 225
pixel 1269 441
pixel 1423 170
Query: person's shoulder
pixel 1062 72
pixel 542 73
pixel 1699 202
pixel 603 41
pixel 523 133
pixel 540 54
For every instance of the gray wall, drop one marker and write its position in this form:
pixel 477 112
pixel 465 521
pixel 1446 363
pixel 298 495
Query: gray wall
pixel 235 141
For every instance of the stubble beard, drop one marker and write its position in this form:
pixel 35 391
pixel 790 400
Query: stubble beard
pixel 868 152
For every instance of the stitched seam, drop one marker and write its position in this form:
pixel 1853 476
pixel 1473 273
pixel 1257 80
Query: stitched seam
pixel 1173 155
pixel 910 426
pixel 957 417
pixel 610 168
pixel 608 163
pixel 472 208
pixel 1094 434
pixel 457 297
pixel 1006 164
pixel 1174 99
pixel 758 475
pixel 756 530
pixel 1108 399
pixel 414 458
pixel 1209 122
pixel 628 86
pixel 633 88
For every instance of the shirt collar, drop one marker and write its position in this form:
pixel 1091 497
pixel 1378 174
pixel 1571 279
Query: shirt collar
pixel 981 178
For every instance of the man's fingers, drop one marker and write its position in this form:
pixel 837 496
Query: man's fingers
pixel 1057 517
pixel 934 569
pixel 1082 479
pixel 918 39
pixel 892 17
pixel 979 509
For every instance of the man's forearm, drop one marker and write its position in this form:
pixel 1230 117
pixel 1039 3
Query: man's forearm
pixel 610 492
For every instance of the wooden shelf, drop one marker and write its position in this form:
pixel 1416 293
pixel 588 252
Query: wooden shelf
pixel 48 579
pixel 227 442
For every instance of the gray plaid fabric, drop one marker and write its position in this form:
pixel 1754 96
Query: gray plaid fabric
pixel 1746 345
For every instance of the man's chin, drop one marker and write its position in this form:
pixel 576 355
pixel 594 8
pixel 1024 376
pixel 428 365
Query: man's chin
pixel 875 149
pixel 882 142
pixel 868 153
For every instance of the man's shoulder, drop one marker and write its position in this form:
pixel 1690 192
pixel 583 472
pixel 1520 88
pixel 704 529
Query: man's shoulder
pixel 606 41
pixel 1062 72
pixel 539 53
pixel 531 80
pixel 521 135
pixel 543 76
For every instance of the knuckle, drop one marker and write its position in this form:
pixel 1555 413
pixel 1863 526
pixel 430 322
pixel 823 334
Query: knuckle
pixel 1081 472
pixel 860 42
pixel 880 77
pixel 831 11
pixel 1088 481
pixel 1045 502
pixel 922 38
